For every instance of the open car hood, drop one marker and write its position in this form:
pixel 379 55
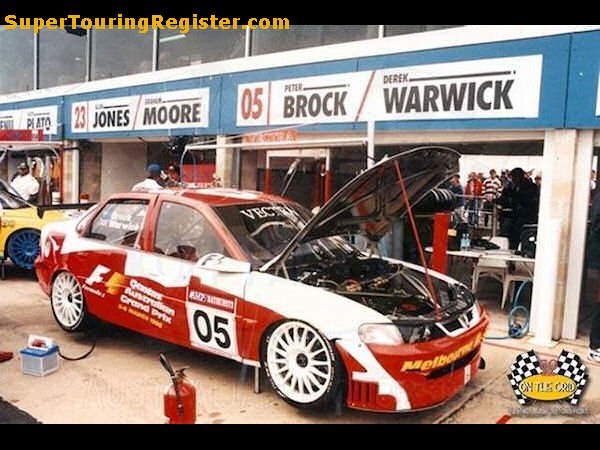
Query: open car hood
pixel 4 186
pixel 371 202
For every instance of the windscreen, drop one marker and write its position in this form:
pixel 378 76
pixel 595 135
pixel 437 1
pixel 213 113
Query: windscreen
pixel 264 229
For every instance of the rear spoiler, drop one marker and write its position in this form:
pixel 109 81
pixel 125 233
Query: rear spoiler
pixel 42 209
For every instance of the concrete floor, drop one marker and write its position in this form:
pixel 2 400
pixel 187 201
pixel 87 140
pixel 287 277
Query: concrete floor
pixel 122 381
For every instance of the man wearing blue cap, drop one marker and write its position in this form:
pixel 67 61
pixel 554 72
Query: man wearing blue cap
pixel 152 180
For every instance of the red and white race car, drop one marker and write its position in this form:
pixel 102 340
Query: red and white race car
pixel 257 279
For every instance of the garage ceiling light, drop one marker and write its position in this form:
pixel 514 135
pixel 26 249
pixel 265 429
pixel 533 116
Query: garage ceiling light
pixel 175 37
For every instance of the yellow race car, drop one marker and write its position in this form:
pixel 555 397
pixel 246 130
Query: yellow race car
pixel 20 225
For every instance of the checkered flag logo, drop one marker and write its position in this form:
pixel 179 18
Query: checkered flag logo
pixel 526 365
pixel 570 365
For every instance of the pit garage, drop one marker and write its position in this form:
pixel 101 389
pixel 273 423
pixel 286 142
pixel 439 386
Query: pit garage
pixel 239 287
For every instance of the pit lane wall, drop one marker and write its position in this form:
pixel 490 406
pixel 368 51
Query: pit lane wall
pixel 548 82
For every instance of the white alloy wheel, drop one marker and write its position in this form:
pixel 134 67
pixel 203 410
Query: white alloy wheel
pixel 67 302
pixel 300 363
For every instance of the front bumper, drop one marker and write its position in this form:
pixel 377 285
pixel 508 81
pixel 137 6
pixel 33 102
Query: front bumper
pixel 427 374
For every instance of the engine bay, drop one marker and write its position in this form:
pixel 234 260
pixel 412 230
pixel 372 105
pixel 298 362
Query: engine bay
pixel 392 289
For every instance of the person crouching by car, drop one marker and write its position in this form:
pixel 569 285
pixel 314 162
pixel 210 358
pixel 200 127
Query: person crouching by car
pixel 152 181
pixel 25 184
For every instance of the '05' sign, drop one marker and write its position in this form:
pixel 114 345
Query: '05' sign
pixel 212 329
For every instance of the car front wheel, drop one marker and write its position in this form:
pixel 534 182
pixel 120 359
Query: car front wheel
pixel 23 248
pixel 302 365
pixel 68 303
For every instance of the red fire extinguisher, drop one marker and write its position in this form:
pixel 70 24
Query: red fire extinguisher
pixel 180 396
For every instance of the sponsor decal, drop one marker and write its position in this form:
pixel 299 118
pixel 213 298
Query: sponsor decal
pixel 135 298
pixel 42 118
pixel 271 136
pixel 265 212
pixel 211 300
pixel 479 89
pixel 561 379
pixel 145 303
pixel 443 360
pixel 97 276
pixel 158 111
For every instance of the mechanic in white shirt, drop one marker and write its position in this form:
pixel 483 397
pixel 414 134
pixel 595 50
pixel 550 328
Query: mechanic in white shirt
pixel 25 184
pixel 152 180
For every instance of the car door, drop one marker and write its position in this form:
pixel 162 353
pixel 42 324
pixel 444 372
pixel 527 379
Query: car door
pixel 98 258
pixel 204 316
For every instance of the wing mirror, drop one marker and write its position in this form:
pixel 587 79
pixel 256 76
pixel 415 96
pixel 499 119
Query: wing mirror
pixel 221 263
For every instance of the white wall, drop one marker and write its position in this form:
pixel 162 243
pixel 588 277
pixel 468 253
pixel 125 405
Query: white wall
pixel 123 165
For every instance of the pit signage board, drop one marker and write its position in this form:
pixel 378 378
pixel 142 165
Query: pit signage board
pixel 157 111
pixel 41 118
pixel 479 89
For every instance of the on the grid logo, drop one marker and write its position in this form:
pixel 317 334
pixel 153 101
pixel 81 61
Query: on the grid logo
pixel 548 380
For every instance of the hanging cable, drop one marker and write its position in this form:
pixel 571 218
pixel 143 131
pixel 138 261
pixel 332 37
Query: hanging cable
pixel 418 239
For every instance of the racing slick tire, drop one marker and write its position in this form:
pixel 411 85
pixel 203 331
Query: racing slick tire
pixel 68 304
pixel 302 365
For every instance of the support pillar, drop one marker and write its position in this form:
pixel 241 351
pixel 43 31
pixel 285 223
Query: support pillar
pixel 579 215
pixel 228 164
pixel 70 173
pixel 556 206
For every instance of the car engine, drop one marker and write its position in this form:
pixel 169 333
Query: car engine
pixel 394 290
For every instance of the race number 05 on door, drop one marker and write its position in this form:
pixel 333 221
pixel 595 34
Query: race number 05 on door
pixel 212 329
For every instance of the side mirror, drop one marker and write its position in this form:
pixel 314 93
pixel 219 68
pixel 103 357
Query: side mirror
pixel 221 263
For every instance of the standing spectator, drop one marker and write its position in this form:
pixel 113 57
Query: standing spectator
pixel 25 184
pixel 593 260
pixel 505 178
pixel 152 181
pixel 174 176
pixel 457 189
pixel 492 188
pixel 473 193
pixel 523 200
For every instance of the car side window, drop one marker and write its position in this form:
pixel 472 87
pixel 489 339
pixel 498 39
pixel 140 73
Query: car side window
pixel 183 232
pixel 119 222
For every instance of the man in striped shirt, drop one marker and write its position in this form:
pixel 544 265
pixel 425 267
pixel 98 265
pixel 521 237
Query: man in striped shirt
pixel 492 188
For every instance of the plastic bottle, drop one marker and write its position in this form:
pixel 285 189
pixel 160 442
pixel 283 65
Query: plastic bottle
pixel 468 243
pixel 463 242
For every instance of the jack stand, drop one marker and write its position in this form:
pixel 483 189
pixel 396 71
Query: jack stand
pixel 257 380
pixel 243 377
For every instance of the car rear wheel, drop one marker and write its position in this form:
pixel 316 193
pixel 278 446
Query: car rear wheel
pixel 301 365
pixel 23 247
pixel 68 303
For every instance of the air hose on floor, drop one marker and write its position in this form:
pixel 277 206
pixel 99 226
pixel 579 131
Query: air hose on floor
pixel 518 318
pixel 95 334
